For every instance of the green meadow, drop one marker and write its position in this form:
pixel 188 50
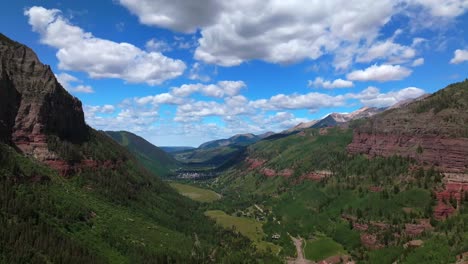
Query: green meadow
pixel 195 193
pixel 246 226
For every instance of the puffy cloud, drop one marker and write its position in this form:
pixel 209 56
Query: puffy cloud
pixel 311 101
pixel 221 89
pixel 437 8
pixel 394 52
pixel 233 32
pixel 100 58
pixel 280 121
pixel 83 89
pixel 178 15
pixel 338 83
pixel 459 56
pixel 157 45
pixel 66 81
pixel 196 110
pixel 159 99
pixel 235 112
pixel 94 109
pixel 195 73
pixel 380 73
pixel 288 32
pixel 373 97
pixel 418 62
pixel 108 117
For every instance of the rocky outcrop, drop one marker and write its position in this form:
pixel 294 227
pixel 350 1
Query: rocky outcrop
pixel 370 241
pixel 316 175
pixel 65 168
pixel 442 211
pixel 416 229
pixel 255 163
pixel 455 189
pixel 33 105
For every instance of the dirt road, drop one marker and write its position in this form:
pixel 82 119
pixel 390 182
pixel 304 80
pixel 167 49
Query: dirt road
pixel 300 259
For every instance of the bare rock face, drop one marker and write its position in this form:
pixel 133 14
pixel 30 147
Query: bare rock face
pixel 433 131
pixel 33 104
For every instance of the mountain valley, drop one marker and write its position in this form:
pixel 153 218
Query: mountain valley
pixel 206 132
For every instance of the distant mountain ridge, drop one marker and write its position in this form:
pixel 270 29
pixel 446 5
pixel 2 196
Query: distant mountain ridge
pixel 173 149
pixel 239 139
pixel 335 119
pixel 153 158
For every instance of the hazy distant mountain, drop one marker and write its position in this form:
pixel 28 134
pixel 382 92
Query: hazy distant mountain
pixel 170 149
pixel 240 139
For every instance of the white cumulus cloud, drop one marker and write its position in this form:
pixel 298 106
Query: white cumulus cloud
pixel 459 56
pixel 100 58
pixel 418 62
pixel 236 31
pixel 380 73
pixel 338 83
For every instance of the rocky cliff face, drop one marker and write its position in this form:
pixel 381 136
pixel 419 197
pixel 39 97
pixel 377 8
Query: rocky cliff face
pixel 33 104
pixel 433 131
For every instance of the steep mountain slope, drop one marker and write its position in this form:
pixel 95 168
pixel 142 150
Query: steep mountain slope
pixel 107 208
pixel 153 158
pixel 433 130
pixel 29 94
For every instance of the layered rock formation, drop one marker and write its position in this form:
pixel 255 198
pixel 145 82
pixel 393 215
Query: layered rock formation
pixel 433 131
pixel 33 105
pixel 448 154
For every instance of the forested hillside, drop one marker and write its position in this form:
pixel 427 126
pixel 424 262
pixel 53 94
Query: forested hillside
pixel 379 208
pixel 153 158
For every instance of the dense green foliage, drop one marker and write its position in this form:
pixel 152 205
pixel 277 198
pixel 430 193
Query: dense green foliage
pixel 321 247
pixel 116 214
pixel 389 190
pixel 454 96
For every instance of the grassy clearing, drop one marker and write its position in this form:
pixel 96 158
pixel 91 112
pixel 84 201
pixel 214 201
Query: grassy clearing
pixel 246 226
pixel 195 193
pixel 321 248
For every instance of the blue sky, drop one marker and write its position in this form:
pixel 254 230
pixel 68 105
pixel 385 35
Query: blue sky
pixel 185 72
